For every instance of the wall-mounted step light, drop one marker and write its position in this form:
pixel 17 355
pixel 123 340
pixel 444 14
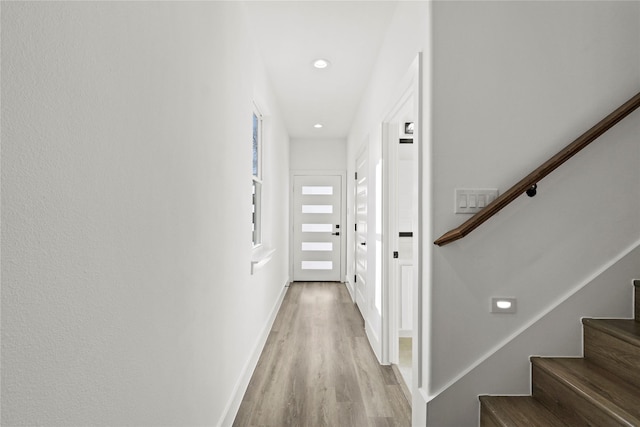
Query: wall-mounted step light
pixel 504 305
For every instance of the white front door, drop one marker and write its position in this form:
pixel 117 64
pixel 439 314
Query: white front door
pixel 317 232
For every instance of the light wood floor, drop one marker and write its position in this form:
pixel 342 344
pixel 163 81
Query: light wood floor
pixel 317 368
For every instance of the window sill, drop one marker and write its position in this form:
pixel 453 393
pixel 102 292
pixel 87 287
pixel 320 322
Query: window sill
pixel 260 256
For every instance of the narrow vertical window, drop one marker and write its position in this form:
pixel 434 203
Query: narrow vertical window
pixel 256 179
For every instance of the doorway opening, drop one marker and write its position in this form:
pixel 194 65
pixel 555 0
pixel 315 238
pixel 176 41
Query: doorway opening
pixel 400 221
pixel 402 151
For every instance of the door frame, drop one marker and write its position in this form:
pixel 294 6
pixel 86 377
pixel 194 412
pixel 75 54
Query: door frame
pixel 411 86
pixel 343 213
pixel 391 270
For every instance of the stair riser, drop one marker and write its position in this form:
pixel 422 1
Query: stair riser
pixel 569 406
pixel 613 354
pixel 486 418
pixel 637 301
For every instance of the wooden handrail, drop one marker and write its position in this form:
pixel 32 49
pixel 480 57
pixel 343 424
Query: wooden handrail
pixel 545 169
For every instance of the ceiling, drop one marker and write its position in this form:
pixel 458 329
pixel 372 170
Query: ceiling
pixel 291 34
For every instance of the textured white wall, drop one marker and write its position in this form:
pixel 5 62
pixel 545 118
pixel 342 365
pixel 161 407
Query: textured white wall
pixel 318 154
pixel 127 297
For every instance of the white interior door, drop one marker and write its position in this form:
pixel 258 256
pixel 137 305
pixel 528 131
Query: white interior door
pixel 361 209
pixel 317 235
pixel 368 253
pixel 376 287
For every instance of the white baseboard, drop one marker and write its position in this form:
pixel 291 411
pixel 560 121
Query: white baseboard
pixel 231 410
pixel 350 288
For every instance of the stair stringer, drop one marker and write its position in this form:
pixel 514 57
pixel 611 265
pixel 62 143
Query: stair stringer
pixel 556 332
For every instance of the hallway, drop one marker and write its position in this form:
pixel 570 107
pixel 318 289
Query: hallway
pixel 317 368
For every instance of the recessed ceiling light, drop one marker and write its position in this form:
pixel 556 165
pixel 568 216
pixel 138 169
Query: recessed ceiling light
pixel 321 63
pixel 317 126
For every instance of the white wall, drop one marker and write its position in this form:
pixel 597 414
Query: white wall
pixel 127 297
pixel 318 154
pixel 513 83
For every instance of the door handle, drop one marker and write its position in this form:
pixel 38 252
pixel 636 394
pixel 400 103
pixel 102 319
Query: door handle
pixel 337 233
pixel 363 243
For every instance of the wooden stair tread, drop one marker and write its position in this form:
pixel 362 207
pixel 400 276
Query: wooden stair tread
pixel 625 329
pixel 515 411
pixel 609 393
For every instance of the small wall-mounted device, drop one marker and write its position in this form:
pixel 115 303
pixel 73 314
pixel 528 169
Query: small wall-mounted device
pixel 408 128
pixel 507 305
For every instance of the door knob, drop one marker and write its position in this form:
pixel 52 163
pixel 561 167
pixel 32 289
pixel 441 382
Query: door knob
pixel 337 233
pixel 363 243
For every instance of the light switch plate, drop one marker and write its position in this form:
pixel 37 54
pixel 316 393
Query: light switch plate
pixel 473 200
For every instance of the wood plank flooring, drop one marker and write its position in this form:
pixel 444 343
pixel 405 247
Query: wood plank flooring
pixel 317 368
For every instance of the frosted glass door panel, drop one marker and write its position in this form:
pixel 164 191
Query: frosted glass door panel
pixel 317 209
pixel 317 228
pixel 317 246
pixel 317 191
pixel 317 265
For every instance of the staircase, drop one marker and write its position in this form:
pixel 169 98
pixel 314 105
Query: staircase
pixel 601 389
